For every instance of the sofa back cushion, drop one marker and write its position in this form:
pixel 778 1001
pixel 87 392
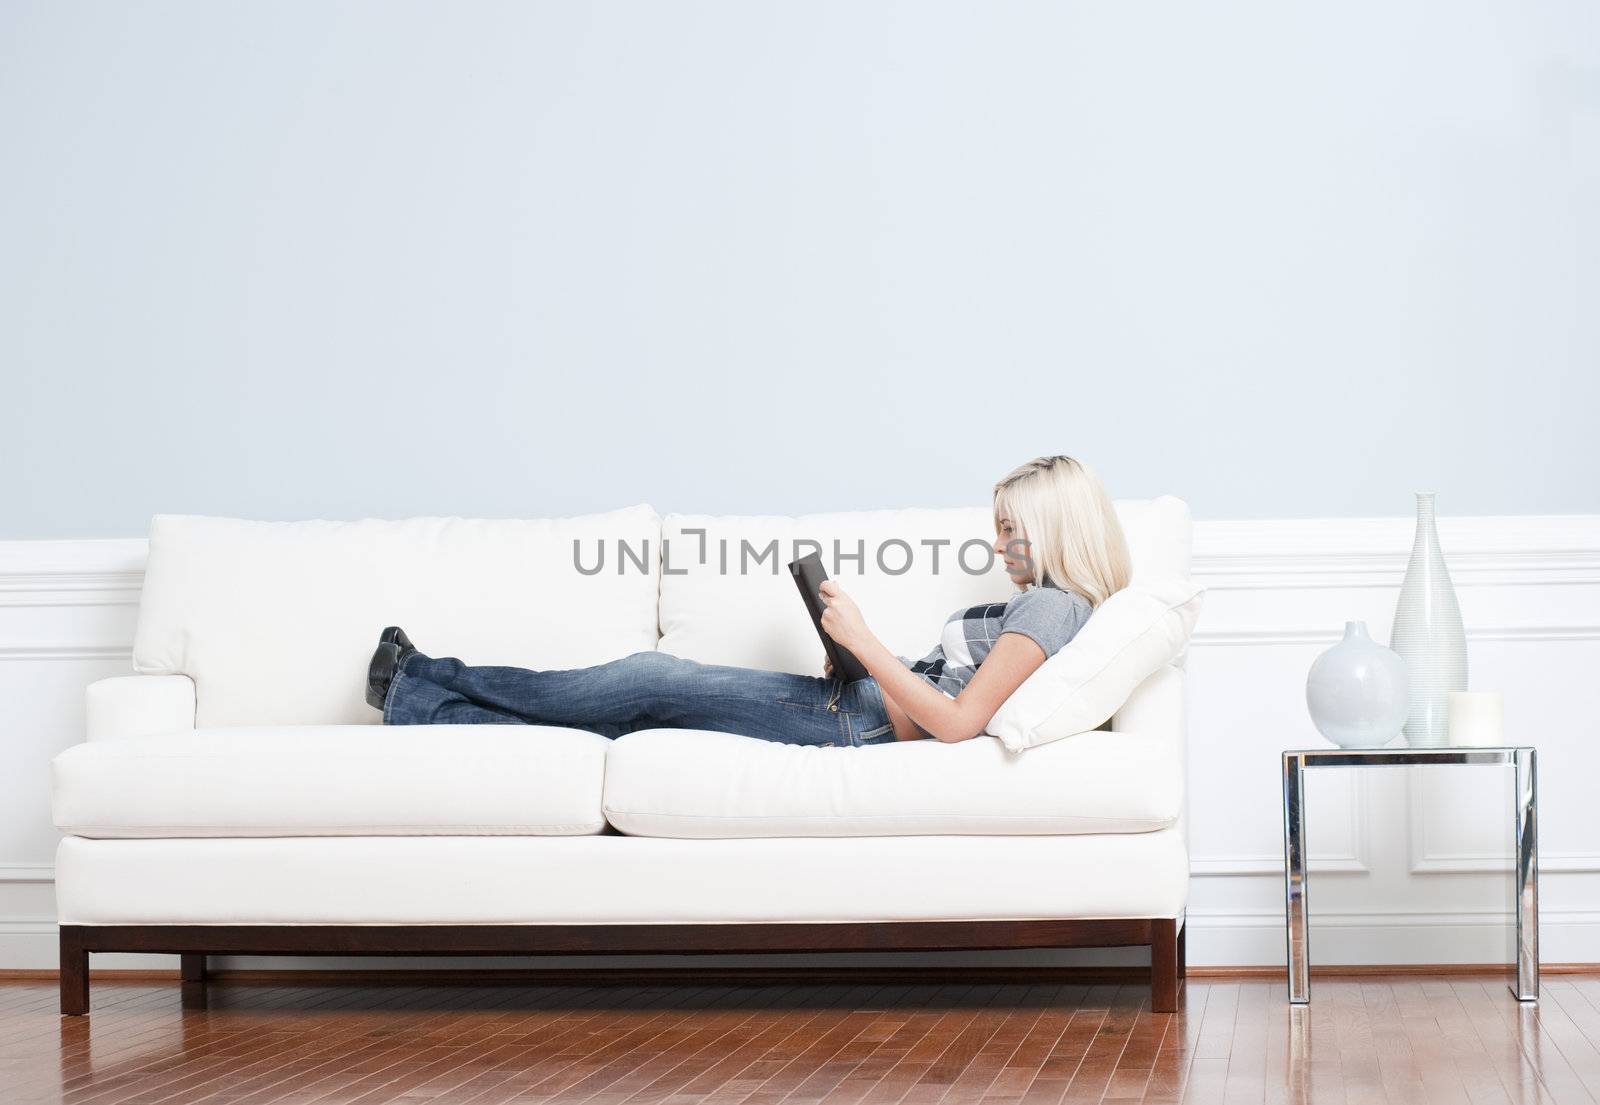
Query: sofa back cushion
pixel 723 605
pixel 275 621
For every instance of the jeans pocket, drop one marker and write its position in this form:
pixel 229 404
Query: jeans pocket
pixel 883 734
pixel 822 718
pixel 866 717
pixel 806 707
pixel 814 694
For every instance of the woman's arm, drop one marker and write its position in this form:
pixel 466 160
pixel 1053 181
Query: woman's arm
pixel 1013 658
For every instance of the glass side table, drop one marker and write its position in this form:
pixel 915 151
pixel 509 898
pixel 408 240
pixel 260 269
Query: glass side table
pixel 1524 838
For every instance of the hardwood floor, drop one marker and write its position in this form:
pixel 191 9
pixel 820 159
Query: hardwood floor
pixel 1401 1039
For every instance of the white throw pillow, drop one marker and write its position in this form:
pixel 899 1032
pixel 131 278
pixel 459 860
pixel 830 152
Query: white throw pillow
pixel 1134 633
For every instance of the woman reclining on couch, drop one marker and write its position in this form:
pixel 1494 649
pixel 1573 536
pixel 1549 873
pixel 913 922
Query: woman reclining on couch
pixel 1051 513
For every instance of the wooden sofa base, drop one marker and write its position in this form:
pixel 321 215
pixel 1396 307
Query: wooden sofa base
pixel 1164 936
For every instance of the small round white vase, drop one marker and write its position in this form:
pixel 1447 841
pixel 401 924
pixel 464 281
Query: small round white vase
pixel 1356 691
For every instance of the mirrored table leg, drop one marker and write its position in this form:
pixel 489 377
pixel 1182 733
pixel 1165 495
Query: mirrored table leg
pixel 1525 848
pixel 1294 877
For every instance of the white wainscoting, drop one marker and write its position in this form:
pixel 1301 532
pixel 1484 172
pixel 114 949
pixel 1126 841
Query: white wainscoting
pixel 1408 865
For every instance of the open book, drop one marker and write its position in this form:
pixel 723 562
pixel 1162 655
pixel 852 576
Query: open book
pixel 808 576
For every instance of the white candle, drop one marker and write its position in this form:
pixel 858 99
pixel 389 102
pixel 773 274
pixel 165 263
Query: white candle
pixel 1477 719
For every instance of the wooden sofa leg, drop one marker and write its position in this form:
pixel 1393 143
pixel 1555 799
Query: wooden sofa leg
pixel 1168 955
pixel 193 972
pixel 74 973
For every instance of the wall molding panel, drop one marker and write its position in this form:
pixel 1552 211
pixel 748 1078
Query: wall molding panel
pixel 27 872
pixel 1428 857
pixel 1520 550
pixel 1407 865
pixel 1353 858
pixel 45 653
pixel 94 572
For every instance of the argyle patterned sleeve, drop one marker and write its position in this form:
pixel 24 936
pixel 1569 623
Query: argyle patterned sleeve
pixel 1048 616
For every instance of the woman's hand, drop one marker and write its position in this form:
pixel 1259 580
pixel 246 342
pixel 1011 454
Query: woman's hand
pixel 842 619
pixel 827 666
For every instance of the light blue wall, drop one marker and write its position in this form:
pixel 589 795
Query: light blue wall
pixel 337 259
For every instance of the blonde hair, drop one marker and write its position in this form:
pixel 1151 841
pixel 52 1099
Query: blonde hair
pixel 1075 542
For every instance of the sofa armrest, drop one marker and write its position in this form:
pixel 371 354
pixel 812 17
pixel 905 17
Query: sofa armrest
pixel 137 705
pixel 1156 706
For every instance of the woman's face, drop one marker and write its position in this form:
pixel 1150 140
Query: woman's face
pixel 1013 550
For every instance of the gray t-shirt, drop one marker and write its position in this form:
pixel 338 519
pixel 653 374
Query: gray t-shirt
pixel 1049 616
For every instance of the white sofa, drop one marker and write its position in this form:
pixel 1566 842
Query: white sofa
pixel 237 795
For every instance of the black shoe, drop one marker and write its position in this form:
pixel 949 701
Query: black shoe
pixel 393 647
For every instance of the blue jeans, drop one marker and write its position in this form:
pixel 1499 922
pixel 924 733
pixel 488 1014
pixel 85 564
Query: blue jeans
pixel 647 690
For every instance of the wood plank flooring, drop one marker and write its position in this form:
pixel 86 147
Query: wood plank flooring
pixel 1429 1040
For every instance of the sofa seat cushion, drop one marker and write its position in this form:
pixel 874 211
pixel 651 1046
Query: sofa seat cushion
pixel 441 780
pixel 697 784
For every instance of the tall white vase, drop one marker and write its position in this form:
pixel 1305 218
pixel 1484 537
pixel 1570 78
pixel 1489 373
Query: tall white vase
pixel 1428 635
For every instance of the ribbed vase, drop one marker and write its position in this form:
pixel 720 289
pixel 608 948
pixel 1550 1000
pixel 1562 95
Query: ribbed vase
pixel 1428 635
